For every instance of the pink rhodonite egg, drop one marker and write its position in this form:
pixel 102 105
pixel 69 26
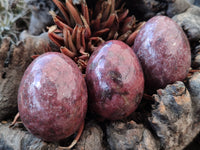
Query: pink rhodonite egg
pixel 52 97
pixel 164 52
pixel 115 80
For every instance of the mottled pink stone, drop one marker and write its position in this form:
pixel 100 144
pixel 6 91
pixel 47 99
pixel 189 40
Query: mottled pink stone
pixel 52 97
pixel 164 52
pixel 115 80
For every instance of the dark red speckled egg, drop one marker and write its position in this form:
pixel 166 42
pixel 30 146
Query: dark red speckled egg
pixel 164 52
pixel 115 80
pixel 52 97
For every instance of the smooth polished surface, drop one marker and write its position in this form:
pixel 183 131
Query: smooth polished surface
pixel 115 80
pixel 52 97
pixel 164 52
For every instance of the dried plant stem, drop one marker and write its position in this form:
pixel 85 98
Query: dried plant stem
pixel 75 140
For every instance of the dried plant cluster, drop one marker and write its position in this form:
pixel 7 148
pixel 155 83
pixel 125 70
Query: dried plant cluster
pixel 82 29
pixel 11 11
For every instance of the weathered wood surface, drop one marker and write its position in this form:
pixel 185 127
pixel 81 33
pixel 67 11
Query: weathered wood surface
pixel 173 124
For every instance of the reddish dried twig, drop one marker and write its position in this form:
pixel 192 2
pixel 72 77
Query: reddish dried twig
pixel 75 140
pixel 15 120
